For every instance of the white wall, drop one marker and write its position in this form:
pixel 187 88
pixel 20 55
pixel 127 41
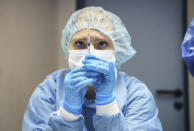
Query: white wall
pixel 64 10
pixel 30 33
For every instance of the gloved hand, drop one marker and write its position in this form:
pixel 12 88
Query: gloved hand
pixel 106 80
pixel 76 83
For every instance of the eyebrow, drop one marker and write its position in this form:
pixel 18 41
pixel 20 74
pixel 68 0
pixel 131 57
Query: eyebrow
pixel 79 39
pixel 84 38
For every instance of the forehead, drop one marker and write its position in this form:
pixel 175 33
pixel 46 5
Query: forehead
pixel 95 34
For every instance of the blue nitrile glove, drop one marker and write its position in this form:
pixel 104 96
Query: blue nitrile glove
pixel 106 80
pixel 75 84
pixel 188 48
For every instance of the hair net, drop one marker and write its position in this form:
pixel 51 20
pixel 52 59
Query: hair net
pixel 107 23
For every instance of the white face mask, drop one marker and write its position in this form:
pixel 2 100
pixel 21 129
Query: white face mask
pixel 76 56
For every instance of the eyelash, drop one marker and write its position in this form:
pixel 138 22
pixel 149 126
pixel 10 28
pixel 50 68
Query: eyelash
pixel 80 46
pixel 83 45
pixel 98 44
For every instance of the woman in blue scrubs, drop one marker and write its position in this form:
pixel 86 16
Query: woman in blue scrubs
pixel 92 94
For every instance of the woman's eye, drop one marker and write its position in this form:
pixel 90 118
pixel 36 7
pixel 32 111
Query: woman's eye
pixel 102 44
pixel 80 44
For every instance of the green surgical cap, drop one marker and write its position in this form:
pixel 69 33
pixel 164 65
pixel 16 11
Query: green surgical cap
pixel 105 22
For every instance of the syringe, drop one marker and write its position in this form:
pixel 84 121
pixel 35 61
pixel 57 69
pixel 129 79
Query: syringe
pixel 88 37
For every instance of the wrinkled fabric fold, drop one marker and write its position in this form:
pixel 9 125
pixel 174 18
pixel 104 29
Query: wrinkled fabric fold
pixel 137 107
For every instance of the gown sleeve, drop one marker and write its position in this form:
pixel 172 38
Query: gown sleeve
pixel 139 113
pixel 188 48
pixel 41 112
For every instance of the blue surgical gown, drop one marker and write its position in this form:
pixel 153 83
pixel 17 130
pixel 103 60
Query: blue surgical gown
pixel 138 111
pixel 188 48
